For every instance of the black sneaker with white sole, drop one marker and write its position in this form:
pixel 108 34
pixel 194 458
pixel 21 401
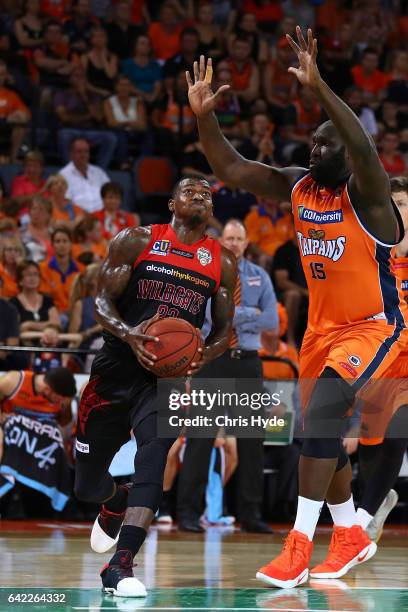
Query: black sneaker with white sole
pixel 119 580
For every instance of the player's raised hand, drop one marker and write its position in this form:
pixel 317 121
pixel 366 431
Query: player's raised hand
pixel 201 97
pixel 307 73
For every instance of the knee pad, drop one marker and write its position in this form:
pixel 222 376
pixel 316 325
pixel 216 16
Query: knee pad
pixel 331 399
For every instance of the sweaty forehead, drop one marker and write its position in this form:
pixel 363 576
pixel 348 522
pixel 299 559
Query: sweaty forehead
pixel 328 132
pixel 192 183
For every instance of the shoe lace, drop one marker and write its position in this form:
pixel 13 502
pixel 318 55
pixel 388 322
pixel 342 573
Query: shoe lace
pixel 292 553
pixel 339 549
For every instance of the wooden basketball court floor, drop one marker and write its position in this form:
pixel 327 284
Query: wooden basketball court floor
pixel 48 566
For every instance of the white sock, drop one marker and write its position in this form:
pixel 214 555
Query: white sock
pixel 307 515
pixel 363 518
pixel 343 515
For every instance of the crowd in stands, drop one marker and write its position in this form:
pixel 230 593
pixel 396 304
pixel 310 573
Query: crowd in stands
pixel 89 86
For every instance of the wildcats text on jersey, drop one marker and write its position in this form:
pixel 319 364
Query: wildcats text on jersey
pixel 316 245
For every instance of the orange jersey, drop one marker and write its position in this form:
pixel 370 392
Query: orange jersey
pixel 267 233
pixel 25 397
pixel 280 370
pixel 99 249
pixel 10 287
pixel 347 270
pixel 399 266
pixel 58 284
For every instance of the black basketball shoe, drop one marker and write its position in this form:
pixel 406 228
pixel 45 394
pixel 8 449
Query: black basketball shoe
pixel 119 579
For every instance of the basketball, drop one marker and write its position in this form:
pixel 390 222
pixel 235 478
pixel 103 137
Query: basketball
pixel 177 348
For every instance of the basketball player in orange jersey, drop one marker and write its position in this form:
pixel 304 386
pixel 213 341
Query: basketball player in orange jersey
pixel 380 459
pixel 168 270
pixel 346 225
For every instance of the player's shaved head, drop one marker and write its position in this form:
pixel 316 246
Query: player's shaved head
pixel 185 180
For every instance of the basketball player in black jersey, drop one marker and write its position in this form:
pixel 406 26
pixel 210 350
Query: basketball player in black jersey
pixel 161 270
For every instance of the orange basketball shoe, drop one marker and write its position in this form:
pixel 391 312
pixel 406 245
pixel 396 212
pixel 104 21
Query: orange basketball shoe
pixel 349 546
pixel 290 568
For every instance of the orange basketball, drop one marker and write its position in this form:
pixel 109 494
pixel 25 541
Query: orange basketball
pixel 177 348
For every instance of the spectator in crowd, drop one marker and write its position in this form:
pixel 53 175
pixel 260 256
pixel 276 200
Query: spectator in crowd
pixel 194 163
pixel 122 33
pixel 369 78
pixel 58 272
pixel 302 118
pixel 9 334
pixel 36 311
pixel 36 234
pixel 279 85
pixel 259 146
pixel 225 13
pixel 14 114
pixel 55 9
pixel 390 118
pixel 274 346
pixel 303 12
pixel 189 44
pixel 247 27
pixel 143 71
pixel 88 238
pixel 229 201
pixel 354 98
pixel 165 33
pixel 268 14
pixel 52 58
pixel 173 119
pixel 126 114
pixel 290 284
pixel 398 83
pixel 12 252
pixel 209 32
pixel 79 27
pixel 228 108
pixel 29 28
pixel 84 179
pixel 80 112
pixel 82 317
pixel 112 217
pixel 268 227
pixel 390 155
pixel 29 182
pixel 63 209
pixel 100 65
pixel 245 72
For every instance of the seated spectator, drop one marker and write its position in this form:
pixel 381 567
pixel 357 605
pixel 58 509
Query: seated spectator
pixel 354 98
pixel 390 118
pixel 36 310
pixel 337 57
pixel 247 27
pixel 165 33
pixel 80 112
pixel 189 44
pixel 121 32
pixel 9 334
pixel 369 78
pixel 112 218
pixel 245 73
pixel 79 27
pixel 29 183
pixel 274 346
pixel 390 156
pixel 208 31
pixel 229 202
pixel 259 146
pixel 59 271
pixel 173 119
pixel 87 237
pixel 84 179
pixel 82 312
pixel 53 58
pixel 12 253
pixel 302 118
pixel 302 11
pixel 290 284
pixel 268 227
pixel 398 83
pixel 36 234
pixel 279 85
pixel 36 405
pixel 100 65
pixel 49 338
pixel 63 209
pixel 143 71
pixel 14 114
pixel 228 109
pixel 194 163
pixel 126 114
pixel 267 13
pixel 55 9
pixel 29 28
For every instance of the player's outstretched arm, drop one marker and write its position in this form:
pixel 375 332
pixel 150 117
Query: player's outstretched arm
pixel 369 185
pixel 114 277
pixel 227 164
